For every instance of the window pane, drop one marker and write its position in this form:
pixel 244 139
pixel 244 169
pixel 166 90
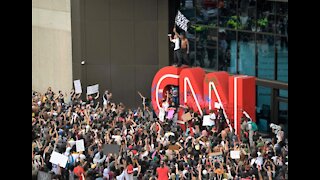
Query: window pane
pixel 282 18
pixel 228 14
pixel 247 14
pixel 265 45
pixel 283 116
pixel 263 107
pixel 207 12
pixel 230 58
pixel 246 53
pixel 282 53
pixel 200 41
pixel 283 93
pixel 211 48
pixel 188 9
pixel 266 16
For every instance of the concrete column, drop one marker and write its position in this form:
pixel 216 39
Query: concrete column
pixel 51 45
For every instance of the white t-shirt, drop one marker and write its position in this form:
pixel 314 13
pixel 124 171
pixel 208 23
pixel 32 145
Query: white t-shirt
pixel 161 114
pixel 213 116
pixel 125 175
pixel 106 173
pixel 165 106
pixel 176 43
pixel 117 138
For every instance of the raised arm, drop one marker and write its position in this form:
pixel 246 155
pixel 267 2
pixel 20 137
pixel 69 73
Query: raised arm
pixel 199 171
pixel 140 94
pixel 97 96
pixel 167 93
pixel 264 166
pixel 175 32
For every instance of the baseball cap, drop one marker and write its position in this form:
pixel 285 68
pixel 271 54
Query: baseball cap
pixel 130 169
pixel 204 172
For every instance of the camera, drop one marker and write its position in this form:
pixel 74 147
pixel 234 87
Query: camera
pixel 275 127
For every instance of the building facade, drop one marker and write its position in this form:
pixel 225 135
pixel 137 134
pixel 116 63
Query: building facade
pixel 124 43
pixel 243 37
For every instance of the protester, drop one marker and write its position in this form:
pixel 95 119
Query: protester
pixel 177 51
pixel 148 148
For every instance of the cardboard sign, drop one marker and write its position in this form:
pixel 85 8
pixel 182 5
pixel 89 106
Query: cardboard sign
pixel 111 148
pixel 216 156
pixel 77 86
pixel 43 176
pixel 174 147
pixel 80 145
pixel 170 114
pixel 206 121
pixel 93 89
pixel 186 117
pixel 217 105
pixel 235 154
pixel 58 159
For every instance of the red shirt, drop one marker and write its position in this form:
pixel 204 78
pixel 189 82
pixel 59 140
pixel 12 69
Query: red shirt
pixel 78 171
pixel 163 173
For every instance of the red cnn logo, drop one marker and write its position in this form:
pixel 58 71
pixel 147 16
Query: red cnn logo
pixel 202 92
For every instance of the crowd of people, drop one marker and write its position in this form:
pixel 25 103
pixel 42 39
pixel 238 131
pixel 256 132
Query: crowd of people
pixel 150 148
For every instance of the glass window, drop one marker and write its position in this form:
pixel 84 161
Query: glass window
pixel 230 57
pixel 282 18
pixel 200 52
pixel 283 116
pixel 211 48
pixel 283 93
pixel 228 15
pixel 247 53
pixel 247 14
pixel 188 9
pixel 263 107
pixel 265 16
pixel 265 45
pixel 207 12
pixel 282 55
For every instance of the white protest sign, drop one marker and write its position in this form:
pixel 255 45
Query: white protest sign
pixel 57 158
pixel 77 86
pixel 181 21
pixel 235 154
pixel 162 113
pixel 72 143
pixel 206 121
pixel 80 145
pixel 93 89
pixel 217 105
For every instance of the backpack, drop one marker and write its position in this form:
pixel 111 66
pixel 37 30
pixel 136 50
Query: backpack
pixel 254 126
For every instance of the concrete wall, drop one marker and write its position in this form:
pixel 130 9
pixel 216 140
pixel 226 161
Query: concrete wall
pixel 51 45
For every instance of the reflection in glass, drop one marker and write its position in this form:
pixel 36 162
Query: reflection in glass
pixel 283 93
pixel 228 14
pixel 187 8
pixel 282 53
pixel 200 48
pixel 246 53
pixel 207 12
pixel 230 58
pixel 211 48
pixel 265 16
pixel 265 45
pixel 263 107
pixel 247 14
pixel 283 116
pixel 282 18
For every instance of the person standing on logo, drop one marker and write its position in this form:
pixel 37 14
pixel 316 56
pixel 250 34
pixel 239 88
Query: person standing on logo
pixel 177 52
pixel 184 49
